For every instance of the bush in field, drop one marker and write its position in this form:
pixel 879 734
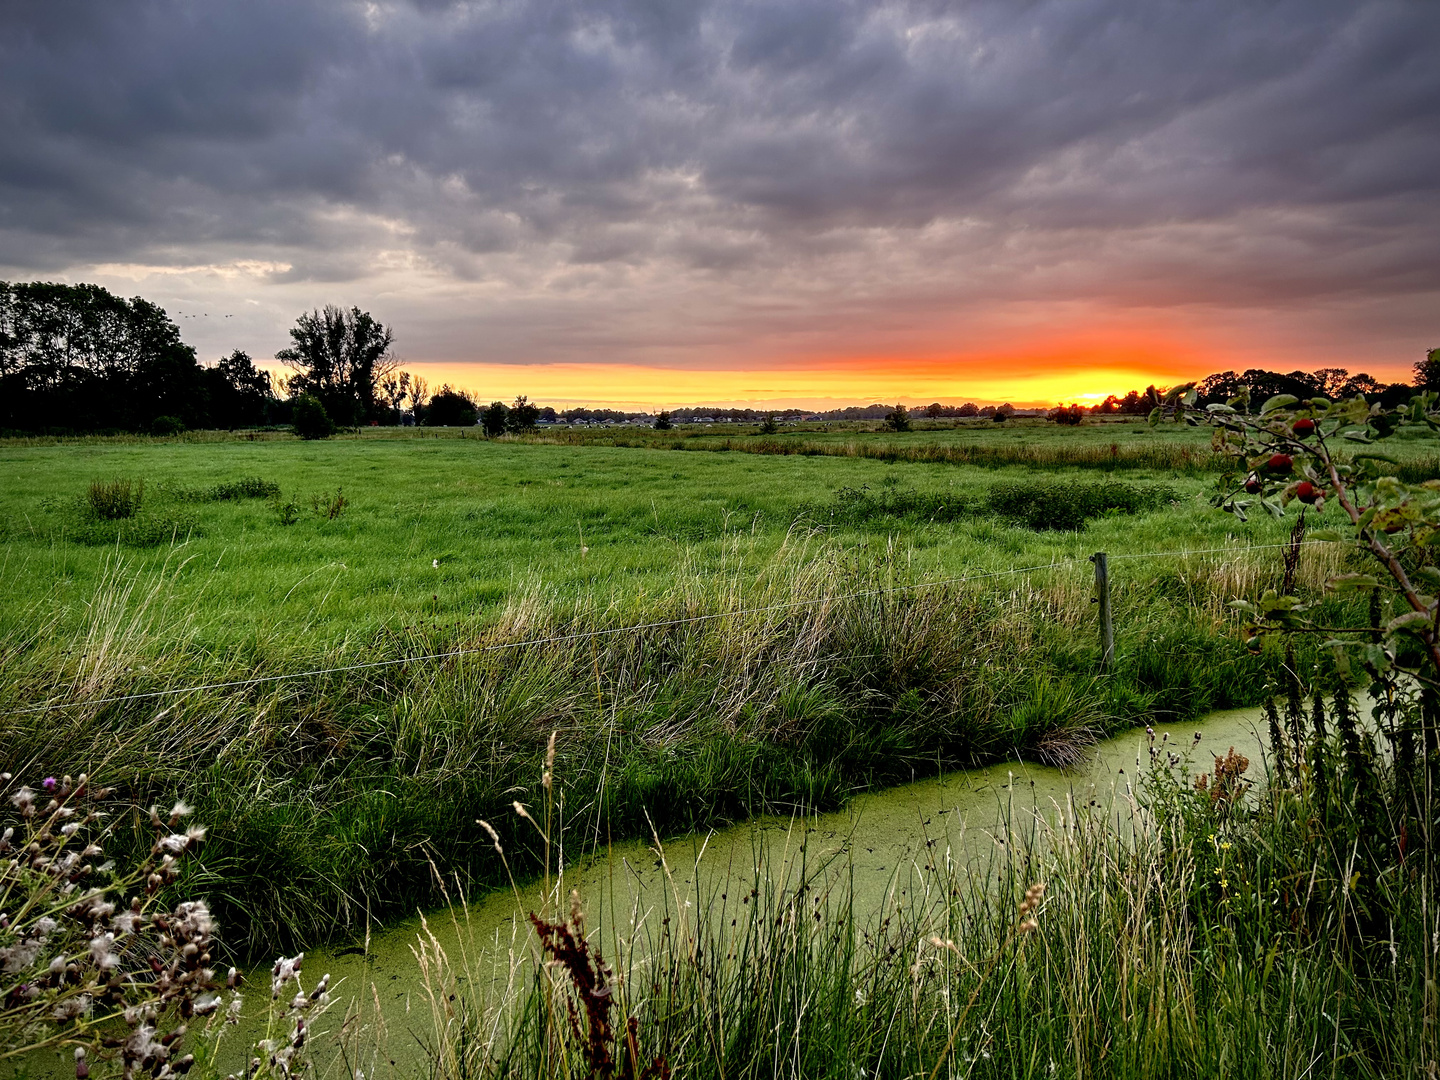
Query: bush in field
pixel 247 487
pixel 309 418
pixel 856 506
pixel 1069 415
pixel 451 408
pixel 1057 504
pixel 663 422
pixel 494 419
pixel 167 426
pixel 523 415
pixel 898 419
pixel 114 500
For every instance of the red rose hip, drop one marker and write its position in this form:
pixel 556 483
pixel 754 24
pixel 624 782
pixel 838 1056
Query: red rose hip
pixel 1280 463
pixel 1253 484
pixel 1304 427
pixel 1307 492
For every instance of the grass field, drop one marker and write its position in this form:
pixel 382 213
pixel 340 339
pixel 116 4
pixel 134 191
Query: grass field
pixel 799 659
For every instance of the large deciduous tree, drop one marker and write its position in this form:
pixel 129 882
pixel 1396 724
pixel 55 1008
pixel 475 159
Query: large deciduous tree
pixel 340 357
pixel 79 357
pixel 240 393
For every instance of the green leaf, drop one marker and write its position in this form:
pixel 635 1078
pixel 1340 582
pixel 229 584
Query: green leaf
pixel 1342 659
pixel 1347 583
pixel 1216 407
pixel 1279 401
pixel 1412 622
pixel 1155 416
pixel 1329 536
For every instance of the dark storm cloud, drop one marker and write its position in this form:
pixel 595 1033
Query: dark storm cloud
pixel 1142 149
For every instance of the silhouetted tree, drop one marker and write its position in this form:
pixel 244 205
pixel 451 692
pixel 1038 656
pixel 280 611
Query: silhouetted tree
pixel 493 419
pixel 400 392
pixel 241 395
pixel 451 408
pixel 898 419
pixel 1066 414
pixel 341 357
pixel 663 421
pixel 1427 371
pixel 78 357
pixel 523 416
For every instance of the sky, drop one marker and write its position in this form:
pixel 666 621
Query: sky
pixel 643 203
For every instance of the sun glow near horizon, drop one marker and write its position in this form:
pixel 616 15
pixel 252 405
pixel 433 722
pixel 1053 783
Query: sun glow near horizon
pixel 1026 382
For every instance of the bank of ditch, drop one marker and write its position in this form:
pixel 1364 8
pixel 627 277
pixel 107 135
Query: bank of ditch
pixel 348 794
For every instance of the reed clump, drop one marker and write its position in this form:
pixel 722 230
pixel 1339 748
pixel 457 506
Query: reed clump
pixel 114 500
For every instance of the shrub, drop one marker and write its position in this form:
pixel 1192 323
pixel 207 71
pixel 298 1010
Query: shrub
pixel 309 418
pixel 451 408
pixel 1056 504
pixel 1070 415
pixel 328 506
pixel 144 530
pixel 898 419
pixel 856 506
pixel 523 415
pixel 165 426
pixel 247 487
pixel 287 511
pixel 494 419
pixel 115 499
pixel 663 422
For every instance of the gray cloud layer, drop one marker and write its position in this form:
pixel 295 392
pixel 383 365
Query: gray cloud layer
pixel 832 156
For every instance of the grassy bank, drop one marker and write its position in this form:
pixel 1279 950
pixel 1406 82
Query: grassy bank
pixel 1188 930
pixel 484 587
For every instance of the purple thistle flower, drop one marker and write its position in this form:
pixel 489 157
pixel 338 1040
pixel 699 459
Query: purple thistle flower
pixel 49 783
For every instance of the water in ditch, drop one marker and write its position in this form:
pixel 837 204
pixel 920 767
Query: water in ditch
pixel 877 835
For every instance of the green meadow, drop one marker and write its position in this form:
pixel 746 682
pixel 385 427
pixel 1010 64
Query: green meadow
pixel 590 524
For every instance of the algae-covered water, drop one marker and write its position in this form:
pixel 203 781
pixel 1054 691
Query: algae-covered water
pixel 381 999
pixel 878 835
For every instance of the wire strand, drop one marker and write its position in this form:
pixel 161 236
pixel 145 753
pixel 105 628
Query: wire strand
pixel 556 639
pixel 583 635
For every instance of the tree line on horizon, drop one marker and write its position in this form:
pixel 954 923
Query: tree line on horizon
pixel 79 359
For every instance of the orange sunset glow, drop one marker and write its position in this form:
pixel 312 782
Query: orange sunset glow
pixel 984 380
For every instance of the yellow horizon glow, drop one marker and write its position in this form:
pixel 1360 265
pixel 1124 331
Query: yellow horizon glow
pixel 1082 365
pixel 634 387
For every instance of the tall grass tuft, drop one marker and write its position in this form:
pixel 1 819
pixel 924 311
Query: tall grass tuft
pixel 114 500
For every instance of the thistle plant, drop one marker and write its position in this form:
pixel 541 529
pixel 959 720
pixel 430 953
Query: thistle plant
pixel 91 957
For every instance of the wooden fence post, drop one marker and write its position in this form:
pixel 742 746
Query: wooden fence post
pixel 1102 597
